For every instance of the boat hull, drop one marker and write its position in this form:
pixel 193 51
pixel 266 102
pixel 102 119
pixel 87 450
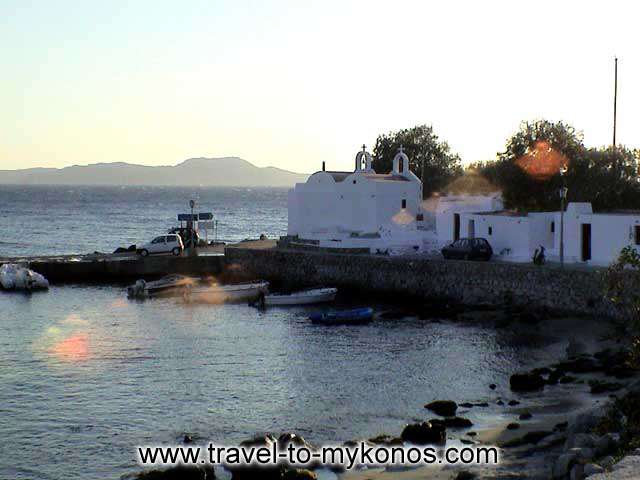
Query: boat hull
pixel 357 316
pixel 226 293
pixel 191 290
pixel 309 297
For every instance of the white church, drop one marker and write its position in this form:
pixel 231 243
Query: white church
pixel 363 209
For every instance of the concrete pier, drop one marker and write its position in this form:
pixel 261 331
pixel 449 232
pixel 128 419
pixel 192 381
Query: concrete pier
pixel 569 290
pixel 120 268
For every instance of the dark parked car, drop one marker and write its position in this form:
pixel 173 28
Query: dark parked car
pixel 468 249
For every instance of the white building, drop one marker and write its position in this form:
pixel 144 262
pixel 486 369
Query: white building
pixel 359 209
pixel 596 238
pixel 451 207
pixel 590 238
pixel 513 236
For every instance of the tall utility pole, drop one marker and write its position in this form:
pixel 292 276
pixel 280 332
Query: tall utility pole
pixel 615 100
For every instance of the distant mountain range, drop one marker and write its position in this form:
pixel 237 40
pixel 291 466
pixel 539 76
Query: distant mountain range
pixel 215 172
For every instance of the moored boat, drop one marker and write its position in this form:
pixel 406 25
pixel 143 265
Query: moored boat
pixel 170 285
pixel 355 316
pixel 16 277
pixel 239 292
pixel 303 297
pixel 197 290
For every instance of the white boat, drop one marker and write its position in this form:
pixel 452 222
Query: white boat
pixel 197 290
pixel 239 292
pixel 304 297
pixel 16 277
pixel 166 286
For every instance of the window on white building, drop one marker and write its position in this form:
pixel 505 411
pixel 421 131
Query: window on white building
pixel 637 232
pixel 553 227
pixel 490 231
pixel 404 203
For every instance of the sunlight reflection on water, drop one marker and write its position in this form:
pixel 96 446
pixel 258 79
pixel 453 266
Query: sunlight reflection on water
pixel 83 370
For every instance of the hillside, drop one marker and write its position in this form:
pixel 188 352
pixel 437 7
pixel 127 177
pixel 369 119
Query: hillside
pixel 222 172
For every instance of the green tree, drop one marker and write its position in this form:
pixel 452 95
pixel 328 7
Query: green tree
pixel 429 158
pixel 524 184
pixel 622 289
pixel 528 171
pixel 607 177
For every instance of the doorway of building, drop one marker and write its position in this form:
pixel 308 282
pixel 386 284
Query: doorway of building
pixel 472 228
pixel 586 242
pixel 456 226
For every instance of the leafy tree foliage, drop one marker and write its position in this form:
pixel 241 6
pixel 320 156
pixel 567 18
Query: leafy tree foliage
pixel 429 158
pixel 608 178
pixel 528 171
pixel 622 289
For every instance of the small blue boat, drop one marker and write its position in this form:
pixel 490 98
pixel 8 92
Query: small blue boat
pixel 356 316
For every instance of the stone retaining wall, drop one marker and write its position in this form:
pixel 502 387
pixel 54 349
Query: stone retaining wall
pixel 576 291
pixel 113 269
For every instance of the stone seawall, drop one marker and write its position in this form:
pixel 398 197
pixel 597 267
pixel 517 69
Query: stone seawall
pixel 575 291
pixel 118 269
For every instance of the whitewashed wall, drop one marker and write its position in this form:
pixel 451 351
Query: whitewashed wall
pixel 509 236
pixel 449 205
pixel 610 233
pixel 541 231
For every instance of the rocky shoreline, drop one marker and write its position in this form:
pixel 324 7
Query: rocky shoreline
pixel 580 435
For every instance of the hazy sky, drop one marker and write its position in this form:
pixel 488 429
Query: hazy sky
pixel 293 83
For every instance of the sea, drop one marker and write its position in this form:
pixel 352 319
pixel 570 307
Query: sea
pixel 87 375
pixel 56 220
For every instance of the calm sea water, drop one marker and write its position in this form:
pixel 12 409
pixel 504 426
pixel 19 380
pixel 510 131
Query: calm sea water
pixel 44 220
pixel 86 375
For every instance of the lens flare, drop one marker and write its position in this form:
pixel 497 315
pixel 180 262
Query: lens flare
pixel 403 217
pixel 542 161
pixel 74 320
pixel 73 348
pixel 471 183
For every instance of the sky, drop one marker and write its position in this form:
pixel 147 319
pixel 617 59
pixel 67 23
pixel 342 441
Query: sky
pixel 294 83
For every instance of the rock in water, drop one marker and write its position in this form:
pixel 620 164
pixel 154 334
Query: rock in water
pixel 575 348
pixel 563 465
pixel 592 469
pixel 530 437
pixel 526 382
pixel 385 439
pixel 299 474
pixel 466 475
pixel 178 473
pixel 291 438
pixel 444 408
pixel 424 433
pixel 457 422
pixel 601 386
pixel 250 472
